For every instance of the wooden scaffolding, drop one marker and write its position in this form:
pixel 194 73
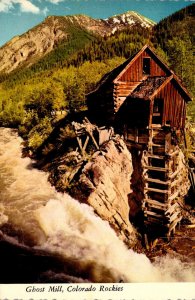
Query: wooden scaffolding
pixel 163 182
pixel 87 131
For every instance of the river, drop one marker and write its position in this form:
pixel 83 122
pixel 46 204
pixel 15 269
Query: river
pixel 47 220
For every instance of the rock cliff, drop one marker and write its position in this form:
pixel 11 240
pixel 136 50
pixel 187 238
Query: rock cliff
pixel 104 184
pixel 32 45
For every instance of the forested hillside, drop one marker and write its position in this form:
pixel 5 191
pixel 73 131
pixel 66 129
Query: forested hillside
pixel 32 98
pixel 176 36
pixel 123 43
pixel 78 39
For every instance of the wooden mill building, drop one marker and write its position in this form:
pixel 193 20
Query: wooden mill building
pixel 146 102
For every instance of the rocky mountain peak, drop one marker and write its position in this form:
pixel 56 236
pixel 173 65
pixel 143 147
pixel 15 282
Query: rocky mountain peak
pixel 31 46
pixel 130 18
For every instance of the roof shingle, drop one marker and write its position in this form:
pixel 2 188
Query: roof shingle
pixel 147 87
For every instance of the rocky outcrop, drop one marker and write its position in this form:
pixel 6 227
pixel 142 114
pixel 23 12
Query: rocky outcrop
pixel 130 19
pixel 184 187
pixel 32 45
pixel 104 184
pixel 183 174
pixel 108 26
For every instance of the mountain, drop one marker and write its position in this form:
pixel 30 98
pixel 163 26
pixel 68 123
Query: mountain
pixel 71 33
pixel 180 25
pixel 39 41
pixel 130 19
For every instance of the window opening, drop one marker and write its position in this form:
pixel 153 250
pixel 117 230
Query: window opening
pixel 146 65
pixel 157 111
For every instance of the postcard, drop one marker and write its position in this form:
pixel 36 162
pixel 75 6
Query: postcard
pixel 97 150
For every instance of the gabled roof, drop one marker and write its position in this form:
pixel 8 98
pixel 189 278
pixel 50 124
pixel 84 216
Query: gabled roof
pixel 170 76
pixel 153 86
pixel 177 81
pixel 109 77
pixel 136 56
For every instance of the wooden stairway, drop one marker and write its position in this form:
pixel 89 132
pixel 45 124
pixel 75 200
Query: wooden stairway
pixel 162 182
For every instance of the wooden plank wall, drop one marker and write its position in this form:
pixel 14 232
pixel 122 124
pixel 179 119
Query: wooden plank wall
pixel 135 72
pixel 157 67
pixel 121 91
pixel 174 106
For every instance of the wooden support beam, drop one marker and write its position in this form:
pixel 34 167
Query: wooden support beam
pixel 152 207
pixel 175 182
pixel 146 241
pixel 156 190
pixel 173 153
pixel 152 213
pixel 151 219
pixel 171 176
pixel 190 226
pixel 136 135
pixel 86 142
pixel 80 145
pixel 93 139
pixel 174 224
pixel 156 168
pixel 172 197
pixel 175 216
pixel 171 209
pixel 155 156
pixel 158 181
pixel 156 126
pixel 80 132
pixel 157 145
pixel 156 204
pixel 149 200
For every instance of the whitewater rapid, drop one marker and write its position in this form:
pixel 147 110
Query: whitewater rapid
pixel 59 224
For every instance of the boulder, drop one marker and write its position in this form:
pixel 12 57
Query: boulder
pixel 104 184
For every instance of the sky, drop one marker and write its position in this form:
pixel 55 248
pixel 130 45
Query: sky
pixel 18 16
